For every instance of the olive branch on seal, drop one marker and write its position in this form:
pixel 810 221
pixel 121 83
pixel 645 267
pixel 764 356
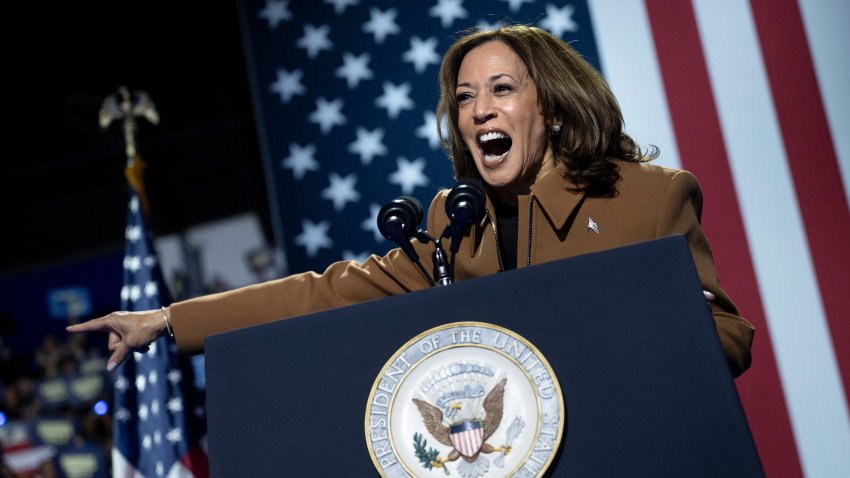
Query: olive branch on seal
pixel 427 457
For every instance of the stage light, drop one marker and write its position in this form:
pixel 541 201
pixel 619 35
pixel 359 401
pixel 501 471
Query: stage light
pixel 101 407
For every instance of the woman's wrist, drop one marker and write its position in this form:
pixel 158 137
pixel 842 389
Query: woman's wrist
pixel 166 318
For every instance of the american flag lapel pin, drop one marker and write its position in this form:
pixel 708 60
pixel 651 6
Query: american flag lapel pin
pixel 591 224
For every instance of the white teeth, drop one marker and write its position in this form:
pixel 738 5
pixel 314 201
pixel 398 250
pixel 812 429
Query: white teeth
pixel 491 136
pixel 492 158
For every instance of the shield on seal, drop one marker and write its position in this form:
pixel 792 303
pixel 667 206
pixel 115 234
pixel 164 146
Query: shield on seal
pixel 467 437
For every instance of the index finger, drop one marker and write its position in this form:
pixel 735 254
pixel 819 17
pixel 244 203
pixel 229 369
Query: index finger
pixel 93 325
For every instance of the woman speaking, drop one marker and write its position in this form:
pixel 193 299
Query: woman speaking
pixel 540 128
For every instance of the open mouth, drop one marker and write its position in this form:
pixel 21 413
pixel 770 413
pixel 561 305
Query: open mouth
pixel 494 144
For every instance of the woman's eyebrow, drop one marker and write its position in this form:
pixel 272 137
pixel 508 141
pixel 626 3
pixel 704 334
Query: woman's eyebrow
pixel 495 78
pixel 492 79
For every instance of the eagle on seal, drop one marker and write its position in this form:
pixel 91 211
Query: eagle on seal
pixel 467 438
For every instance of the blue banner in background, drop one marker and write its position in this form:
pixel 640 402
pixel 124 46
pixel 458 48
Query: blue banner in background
pixel 69 303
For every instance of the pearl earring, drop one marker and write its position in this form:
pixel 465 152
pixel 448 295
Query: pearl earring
pixel 556 127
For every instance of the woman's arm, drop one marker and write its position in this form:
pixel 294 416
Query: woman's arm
pixel 680 213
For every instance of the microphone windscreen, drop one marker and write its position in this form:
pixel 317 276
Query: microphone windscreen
pixel 466 201
pixel 401 215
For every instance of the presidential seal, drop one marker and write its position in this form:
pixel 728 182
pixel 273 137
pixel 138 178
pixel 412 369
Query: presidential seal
pixel 467 399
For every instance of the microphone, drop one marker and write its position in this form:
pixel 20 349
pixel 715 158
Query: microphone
pixel 465 206
pixel 397 221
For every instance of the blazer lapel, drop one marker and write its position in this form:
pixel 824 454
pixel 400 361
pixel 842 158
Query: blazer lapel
pixel 553 196
pixel 556 200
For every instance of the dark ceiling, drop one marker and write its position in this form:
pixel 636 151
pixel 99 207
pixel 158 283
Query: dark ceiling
pixel 62 189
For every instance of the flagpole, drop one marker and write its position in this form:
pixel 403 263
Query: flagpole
pixel 158 415
pixel 126 107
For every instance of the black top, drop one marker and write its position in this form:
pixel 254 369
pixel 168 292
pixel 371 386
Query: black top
pixel 506 226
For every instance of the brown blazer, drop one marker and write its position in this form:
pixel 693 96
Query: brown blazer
pixel 651 202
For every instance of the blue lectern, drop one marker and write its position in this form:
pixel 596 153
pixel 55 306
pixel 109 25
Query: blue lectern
pixel 627 332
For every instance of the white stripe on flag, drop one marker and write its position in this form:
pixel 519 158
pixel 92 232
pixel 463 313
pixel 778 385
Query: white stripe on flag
pixel 630 65
pixel 179 470
pixel 121 468
pixel 783 265
pixel 25 459
pixel 827 24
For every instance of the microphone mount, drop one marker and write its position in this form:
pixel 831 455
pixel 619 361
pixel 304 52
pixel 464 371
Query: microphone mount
pixel 398 221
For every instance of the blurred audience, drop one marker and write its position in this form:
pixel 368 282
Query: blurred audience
pixel 48 424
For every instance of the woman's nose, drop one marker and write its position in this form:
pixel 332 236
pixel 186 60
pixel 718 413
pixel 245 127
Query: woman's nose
pixel 483 110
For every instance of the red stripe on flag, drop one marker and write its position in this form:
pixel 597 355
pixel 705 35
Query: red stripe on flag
pixel 699 136
pixel 812 160
pixel 195 460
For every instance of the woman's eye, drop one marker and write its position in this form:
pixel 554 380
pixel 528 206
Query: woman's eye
pixel 463 97
pixel 503 88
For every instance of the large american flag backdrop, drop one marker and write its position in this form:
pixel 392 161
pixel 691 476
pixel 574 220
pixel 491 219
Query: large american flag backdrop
pixel 753 97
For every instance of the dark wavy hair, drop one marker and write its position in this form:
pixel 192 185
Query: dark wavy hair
pixel 569 89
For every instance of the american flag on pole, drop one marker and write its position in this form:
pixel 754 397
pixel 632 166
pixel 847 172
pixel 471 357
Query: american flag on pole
pixel 751 96
pixel 159 423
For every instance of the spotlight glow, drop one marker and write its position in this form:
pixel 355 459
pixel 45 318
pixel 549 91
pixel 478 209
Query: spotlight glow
pixel 101 407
